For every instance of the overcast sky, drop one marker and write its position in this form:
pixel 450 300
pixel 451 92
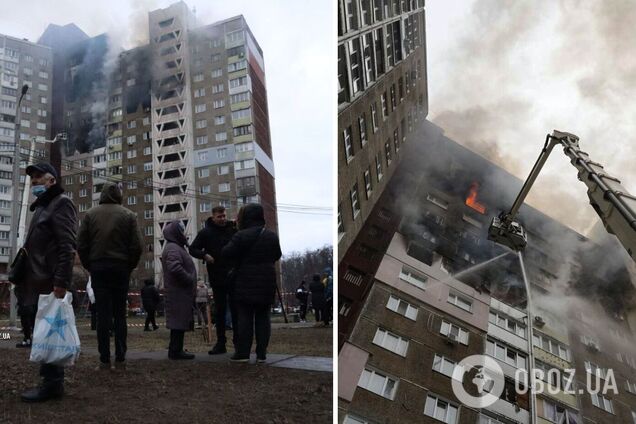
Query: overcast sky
pixel 503 74
pixel 297 39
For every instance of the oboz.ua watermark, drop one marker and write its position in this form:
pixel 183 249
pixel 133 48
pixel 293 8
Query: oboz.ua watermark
pixel 489 381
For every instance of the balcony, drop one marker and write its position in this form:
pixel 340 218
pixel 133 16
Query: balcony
pixel 509 410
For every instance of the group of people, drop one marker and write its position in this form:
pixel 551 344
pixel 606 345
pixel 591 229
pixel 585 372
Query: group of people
pixel 321 289
pixel 239 256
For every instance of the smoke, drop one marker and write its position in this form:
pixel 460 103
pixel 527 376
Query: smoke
pixel 510 72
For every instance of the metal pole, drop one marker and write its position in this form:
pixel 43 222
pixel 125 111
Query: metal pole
pixel 15 200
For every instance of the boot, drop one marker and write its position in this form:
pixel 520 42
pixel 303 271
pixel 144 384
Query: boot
pixel 43 393
pixel 217 349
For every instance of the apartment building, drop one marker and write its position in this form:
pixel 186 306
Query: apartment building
pixel 382 94
pixel 181 123
pixel 423 289
pixel 21 63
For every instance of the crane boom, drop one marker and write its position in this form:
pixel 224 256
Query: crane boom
pixel 612 202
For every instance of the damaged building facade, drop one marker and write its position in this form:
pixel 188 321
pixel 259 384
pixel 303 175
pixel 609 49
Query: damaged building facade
pixel 181 123
pixel 421 288
pixel 382 95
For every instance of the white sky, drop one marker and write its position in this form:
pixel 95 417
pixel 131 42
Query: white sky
pixel 502 74
pixel 297 38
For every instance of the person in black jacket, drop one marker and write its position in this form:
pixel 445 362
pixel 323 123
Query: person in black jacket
pixel 150 299
pixel 302 295
pixel 207 246
pixel 253 250
pixel 318 301
pixel 50 243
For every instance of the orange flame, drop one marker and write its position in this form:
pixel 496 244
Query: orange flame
pixel 471 200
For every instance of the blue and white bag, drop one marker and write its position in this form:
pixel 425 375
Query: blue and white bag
pixel 55 338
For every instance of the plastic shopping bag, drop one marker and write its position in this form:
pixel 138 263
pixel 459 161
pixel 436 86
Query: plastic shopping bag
pixel 55 338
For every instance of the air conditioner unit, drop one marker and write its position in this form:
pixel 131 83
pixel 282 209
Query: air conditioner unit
pixel 539 322
pixel 452 339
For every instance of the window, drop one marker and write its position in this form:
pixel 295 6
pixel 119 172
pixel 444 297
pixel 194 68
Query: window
pixel 440 409
pixel 402 307
pixel 223 170
pixel 131 154
pixel 507 323
pixel 215 57
pixel 148 166
pixel 348 146
pixel 147 198
pixel 221 153
pixel 238 82
pixel 132 200
pixel 219 120
pixel 224 187
pixel 205 189
pixel 244 164
pixel 594 369
pixel 244 147
pixel 131 169
pixel 201 123
pixel 390 341
pixel 219 104
pixel 149 230
pixel 218 88
pixel 147 151
pixel 385 109
pixel 355 65
pixel 505 354
pixel 363 130
pixel 387 151
pixel 82 207
pixel 630 387
pixel 341 228
pixel 198 77
pixel 437 201
pixel 199 108
pixel 205 207
pixel 203 173
pixel 350 419
pixel 217 73
pixel 455 332
pixel 413 278
pixel 550 345
pixel 202 156
pixel 220 136
pixel 240 97
pixel 602 402
pixel 378 383
pixel 199 92
pixel 83 193
pixel 242 113
pixel 355 205
pixel 443 365
pixel 460 301
pixel 40 126
pixel 485 419
pixel 132 185
pixel 557 413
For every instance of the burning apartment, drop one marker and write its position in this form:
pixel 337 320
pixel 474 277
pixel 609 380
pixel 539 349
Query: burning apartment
pixel 382 94
pixel 181 123
pixel 421 288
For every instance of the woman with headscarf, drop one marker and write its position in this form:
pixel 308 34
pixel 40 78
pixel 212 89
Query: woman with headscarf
pixel 253 250
pixel 180 281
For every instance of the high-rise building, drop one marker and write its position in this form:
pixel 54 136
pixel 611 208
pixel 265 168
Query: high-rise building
pixel 181 123
pixel 424 289
pixel 21 62
pixel 382 94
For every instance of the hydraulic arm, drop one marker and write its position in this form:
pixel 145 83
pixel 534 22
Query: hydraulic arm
pixel 611 201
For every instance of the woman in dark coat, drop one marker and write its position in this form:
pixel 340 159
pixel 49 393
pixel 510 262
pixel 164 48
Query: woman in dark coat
pixel 318 300
pixel 253 250
pixel 180 281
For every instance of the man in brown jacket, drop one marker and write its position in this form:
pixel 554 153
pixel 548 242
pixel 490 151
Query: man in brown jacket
pixel 50 243
pixel 109 246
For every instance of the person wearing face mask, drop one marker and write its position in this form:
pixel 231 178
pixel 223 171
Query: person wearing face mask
pixel 109 246
pixel 50 243
pixel 180 282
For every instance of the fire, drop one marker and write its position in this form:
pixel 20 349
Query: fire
pixel 471 200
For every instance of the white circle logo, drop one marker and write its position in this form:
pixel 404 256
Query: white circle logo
pixel 488 379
